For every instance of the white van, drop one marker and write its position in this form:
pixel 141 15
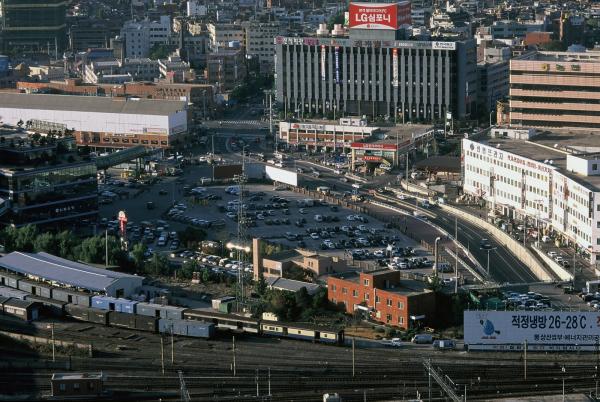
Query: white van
pixel 422 338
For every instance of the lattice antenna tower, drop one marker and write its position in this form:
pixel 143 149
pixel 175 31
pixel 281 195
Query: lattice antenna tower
pixel 242 239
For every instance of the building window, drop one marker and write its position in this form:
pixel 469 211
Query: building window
pixel 333 288
pixel 389 302
pixel 344 291
pixel 366 281
pixel 401 320
pixel 366 296
pixel 594 166
pixel 376 299
pixel 401 305
pixel 76 386
pixel 355 293
pixel 62 387
pixel 388 318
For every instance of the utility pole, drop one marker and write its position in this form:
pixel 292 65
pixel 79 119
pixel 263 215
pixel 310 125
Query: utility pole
pixel 172 348
pixel 53 342
pixel 269 382
pixel 429 380
pixel 406 176
pixel 525 360
pixel 162 355
pixel 212 139
pixel 106 248
pixel 456 277
pixel 233 349
pixel 256 381
pixel 353 359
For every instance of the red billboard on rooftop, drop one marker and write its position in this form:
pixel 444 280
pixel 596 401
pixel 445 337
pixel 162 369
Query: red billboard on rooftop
pixel 379 15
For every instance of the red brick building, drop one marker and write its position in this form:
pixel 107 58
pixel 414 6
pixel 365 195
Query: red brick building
pixel 388 299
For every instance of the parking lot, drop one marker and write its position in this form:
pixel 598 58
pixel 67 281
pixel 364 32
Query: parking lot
pixel 272 213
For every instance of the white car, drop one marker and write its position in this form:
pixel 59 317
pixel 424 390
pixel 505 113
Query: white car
pixel 231 215
pixel 314 236
pixel 351 217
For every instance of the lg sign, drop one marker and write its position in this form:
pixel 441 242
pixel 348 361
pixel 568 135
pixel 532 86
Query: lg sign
pixel 379 15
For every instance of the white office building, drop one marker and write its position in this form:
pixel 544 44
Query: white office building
pixel 141 36
pixel 552 184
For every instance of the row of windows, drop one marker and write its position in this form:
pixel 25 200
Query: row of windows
pixel 355 293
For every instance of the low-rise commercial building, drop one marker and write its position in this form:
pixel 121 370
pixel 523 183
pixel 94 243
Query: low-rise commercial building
pixel 100 121
pixel 554 184
pixel 321 135
pixel 383 296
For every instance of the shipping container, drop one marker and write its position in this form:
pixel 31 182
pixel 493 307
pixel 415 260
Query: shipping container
pixel 160 311
pixel 114 304
pixel 49 306
pixel 71 296
pixel 124 320
pixel 10 292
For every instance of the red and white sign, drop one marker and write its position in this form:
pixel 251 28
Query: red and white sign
pixel 364 145
pixel 371 158
pixel 122 222
pixel 379 15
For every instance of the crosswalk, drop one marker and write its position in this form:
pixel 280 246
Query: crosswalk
pixel 243 122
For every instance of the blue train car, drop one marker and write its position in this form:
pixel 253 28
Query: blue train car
pixel 114 304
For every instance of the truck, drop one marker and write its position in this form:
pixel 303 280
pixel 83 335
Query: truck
pixel 323 189
pixel 422 338
pixel 444 344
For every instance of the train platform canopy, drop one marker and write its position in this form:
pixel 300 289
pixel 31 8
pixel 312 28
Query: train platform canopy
pixel 440 164
pixel 62 272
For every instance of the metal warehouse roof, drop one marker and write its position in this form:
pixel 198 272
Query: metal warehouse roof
pixel 52 268
pixel 97 104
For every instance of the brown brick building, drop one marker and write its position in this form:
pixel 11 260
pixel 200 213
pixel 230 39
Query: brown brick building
pixel 387 298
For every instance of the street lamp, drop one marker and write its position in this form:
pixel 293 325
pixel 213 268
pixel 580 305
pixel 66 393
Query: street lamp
pixel 238 247
pixel 435 250
pixel 51 327
pixel 488 257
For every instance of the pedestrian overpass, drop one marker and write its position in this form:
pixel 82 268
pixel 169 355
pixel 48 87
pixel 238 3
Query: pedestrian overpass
pixel 122 156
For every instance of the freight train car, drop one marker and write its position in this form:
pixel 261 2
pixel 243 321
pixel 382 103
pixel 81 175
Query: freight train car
pixel 9 280
pixel 132 321
pixel 194 329
pixel 114 304
pixel 160 311
pixel 87 314
pixel 50 307
pixel 224 321
pixel 72 297
pixel 36 288
pixel 23 309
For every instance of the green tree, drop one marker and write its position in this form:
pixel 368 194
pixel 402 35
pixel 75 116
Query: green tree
pixel 46 242
pixel 159 51
pixel 554 46
pixel 66 242
pixel 190 237
pixel 9 237
pixel 25 238
pixel 188 268
pixel 435 284
pixel 303 299
pixel 158 265
pixel 91 249
pixel 138 253
pixel 206 275
pixel 260 286
pixel 320 300
pixel 336 19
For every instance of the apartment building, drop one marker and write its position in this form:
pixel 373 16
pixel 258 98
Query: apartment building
pixel 220 35
pixel 259 43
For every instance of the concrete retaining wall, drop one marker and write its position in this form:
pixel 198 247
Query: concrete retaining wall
pixel 47 341
pixel 514 246
pixel 559 271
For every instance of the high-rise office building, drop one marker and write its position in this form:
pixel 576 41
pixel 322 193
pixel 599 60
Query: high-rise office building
pixel 370 72
pixel 36 25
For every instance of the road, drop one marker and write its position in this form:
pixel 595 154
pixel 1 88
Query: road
pixel 504 266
